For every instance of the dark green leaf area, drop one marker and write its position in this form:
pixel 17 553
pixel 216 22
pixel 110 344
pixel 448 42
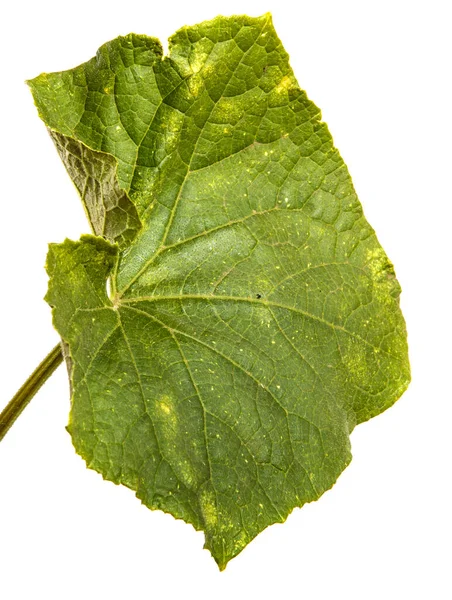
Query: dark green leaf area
pixel 252 318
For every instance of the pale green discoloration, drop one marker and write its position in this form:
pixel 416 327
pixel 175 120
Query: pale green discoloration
pixel 209 509
pixel 166 405
pixel 355 358
pixel 383 274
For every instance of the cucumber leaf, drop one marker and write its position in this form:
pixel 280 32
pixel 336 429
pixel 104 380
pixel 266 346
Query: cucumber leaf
pixel 234 316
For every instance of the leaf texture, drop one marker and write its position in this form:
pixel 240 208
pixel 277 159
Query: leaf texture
pixel 253 318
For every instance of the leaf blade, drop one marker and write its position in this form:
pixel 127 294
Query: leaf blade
pixel 254 319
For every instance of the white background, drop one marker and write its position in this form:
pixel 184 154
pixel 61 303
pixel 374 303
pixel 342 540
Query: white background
pixel 381 73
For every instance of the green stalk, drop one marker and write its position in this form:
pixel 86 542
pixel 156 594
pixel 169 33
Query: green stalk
pixel 23 396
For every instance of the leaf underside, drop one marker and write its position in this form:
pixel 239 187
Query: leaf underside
pixel 252 317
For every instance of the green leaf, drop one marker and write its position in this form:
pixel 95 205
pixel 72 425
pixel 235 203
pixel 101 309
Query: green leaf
pixel 252 318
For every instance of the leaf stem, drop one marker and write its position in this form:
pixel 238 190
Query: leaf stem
pixel 23 396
